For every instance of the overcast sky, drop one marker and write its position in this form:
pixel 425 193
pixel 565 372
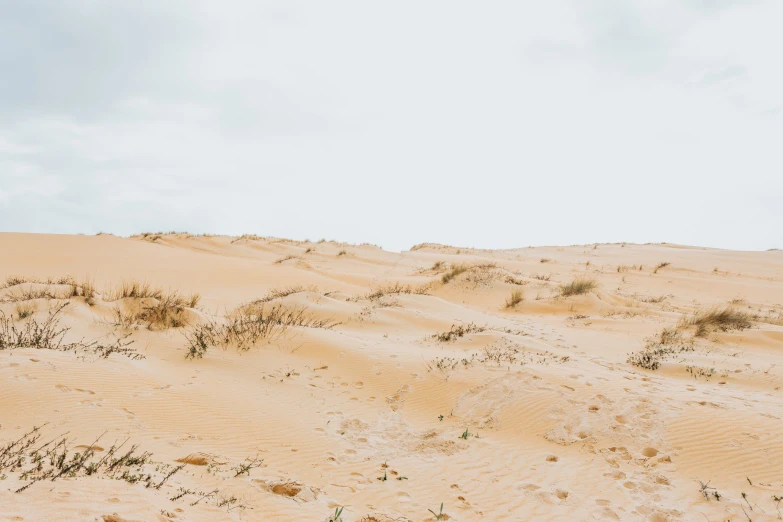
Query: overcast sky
pixel 493 123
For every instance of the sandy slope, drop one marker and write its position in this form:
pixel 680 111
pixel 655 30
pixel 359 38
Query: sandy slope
pixel 560 426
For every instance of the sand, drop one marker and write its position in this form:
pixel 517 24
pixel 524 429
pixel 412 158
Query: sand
pixel 534 413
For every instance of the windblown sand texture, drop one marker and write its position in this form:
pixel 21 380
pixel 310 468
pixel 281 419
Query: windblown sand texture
pixel 532 413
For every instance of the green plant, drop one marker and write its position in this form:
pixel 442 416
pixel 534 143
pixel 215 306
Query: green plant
pixel 337 515
pixel 465 434
pixel 438 515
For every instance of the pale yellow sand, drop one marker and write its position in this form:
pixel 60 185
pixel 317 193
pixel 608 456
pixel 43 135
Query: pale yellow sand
pixel 561 428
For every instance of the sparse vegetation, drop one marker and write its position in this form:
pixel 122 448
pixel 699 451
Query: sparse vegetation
pixel 167 311
pixel 342 253
pixel 25 309
pixel 664 264
pixel 396 288
pixel 454 272
pixel 49 335
pixel 439 514
pixel 458 331
pixel 133 289
pixel 286 258
pixel 248 325
pixel 723 319
pixel 544 260
pixel 515 298
pixel 578 286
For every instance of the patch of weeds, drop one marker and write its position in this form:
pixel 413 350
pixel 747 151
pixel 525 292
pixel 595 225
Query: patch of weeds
pixel 49 335
pixel 458 331
pixel 248 325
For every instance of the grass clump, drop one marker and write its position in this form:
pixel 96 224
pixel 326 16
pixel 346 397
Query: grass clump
pixel 166 311
pixel 458 331
pixel 279 293
pixel 25 309
pixel 723 319
pixel 286 258
pixel 396 289
pixel 133 289
pixel 515 298
pixel 248 325
pixel 664 264
pixel 578 286
pixel 454 272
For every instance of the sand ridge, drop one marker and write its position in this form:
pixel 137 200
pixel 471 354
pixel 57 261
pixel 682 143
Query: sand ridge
pixel 405 381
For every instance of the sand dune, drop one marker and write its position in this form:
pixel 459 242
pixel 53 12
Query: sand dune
pixel 280 380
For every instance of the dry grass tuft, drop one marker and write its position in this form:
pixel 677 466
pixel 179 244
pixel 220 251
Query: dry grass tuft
pixel 454 272
pixel 578 286
pixel 133 289
pixel 723 319
pixel 168 311
pixel 661 265
pixel 516 297
pixel 25 309
pixel 286 258
pixel 396 289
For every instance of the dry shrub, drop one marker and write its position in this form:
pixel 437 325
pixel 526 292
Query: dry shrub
pixel 49 335
pixel 578 286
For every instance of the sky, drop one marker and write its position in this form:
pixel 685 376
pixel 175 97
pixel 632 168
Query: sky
pixel 492 124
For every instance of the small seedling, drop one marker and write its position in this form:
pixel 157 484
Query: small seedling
pixel 440 417
pixel 383 478
pixel 465 434
pixel 336 516
pixel 438 515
